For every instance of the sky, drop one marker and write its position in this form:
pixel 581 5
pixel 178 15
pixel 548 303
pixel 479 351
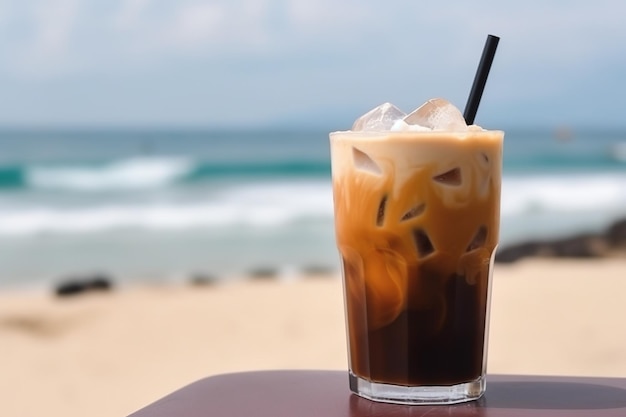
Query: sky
pixel 319 63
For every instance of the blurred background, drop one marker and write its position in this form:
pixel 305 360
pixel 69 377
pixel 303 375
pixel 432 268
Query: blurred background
pixel 155 140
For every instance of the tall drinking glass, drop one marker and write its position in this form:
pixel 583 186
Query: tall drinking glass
pixel 417 221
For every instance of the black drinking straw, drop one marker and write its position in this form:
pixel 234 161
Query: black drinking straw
pixel 489 51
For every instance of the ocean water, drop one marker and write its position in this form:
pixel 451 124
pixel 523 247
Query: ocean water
pixel 162 205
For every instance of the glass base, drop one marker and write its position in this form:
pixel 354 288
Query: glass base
pixel 400 394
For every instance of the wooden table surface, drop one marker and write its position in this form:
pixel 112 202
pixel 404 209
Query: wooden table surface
pixel 326 394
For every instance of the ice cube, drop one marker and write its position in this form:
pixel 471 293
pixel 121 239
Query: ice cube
pixel 381 118
pixel 423 243
pixel 413 212
pixel 478 240
pixel 380 216
pixel 437 114
pixel 364 162
pixel 451 177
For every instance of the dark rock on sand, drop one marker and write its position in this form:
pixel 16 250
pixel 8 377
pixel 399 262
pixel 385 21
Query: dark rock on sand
pixel 263 273
pixel 516 252
pixel 577 246
pixel 69 287
pixel 202 280
pixel 581 246
pixel 78 285
pixel 317 270
pixel 99 283
pixel 616 234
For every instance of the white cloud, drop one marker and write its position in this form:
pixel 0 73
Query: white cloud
pixel 54 21
pixel 50 28
pixel 197 24
pixel 197 29
pixel 130 13
pixel 227 25
pixel 318 16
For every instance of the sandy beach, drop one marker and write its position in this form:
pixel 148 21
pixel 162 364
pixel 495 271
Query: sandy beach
pixel 110 354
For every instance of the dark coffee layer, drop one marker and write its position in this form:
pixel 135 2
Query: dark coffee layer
pixel 429 346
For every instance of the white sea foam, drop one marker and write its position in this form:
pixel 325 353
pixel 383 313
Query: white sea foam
pixel 272 205
pixel 563 193
pixel 133 173
pixel 263 206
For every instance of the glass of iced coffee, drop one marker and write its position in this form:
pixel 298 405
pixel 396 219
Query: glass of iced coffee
pixel 417 209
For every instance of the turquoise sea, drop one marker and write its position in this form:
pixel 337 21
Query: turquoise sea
pixel 161 205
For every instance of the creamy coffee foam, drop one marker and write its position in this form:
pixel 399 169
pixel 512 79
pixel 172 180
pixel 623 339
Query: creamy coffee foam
pixel 370 157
